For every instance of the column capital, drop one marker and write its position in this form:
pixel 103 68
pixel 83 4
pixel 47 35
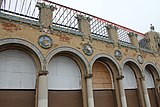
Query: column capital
pixel 119 77
pixel 158 79
pixel 43 73
pixel 43 5
pixel 88 75
pixel 132 34
pixel 81 17
pixel 111 27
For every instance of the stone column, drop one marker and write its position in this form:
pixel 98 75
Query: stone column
pixel 1 3
pixel 157 89
pixel 45 14
pixel 122 91
pixel 112 33
pixel 145 93
pixel 43 89
pixel 133 39
pixel 89 90
pixel 84 26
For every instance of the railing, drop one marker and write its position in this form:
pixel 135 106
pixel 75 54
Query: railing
pixel 23 8
pixel 65 17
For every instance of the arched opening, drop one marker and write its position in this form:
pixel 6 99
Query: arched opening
pixel 103 87
pixel 130 86
pixel 17 79
pixel 150 85
pixel 64 82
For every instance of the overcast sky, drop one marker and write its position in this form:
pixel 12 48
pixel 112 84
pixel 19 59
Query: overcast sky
pixel 134 14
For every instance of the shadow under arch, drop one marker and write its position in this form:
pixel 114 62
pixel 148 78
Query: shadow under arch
pixel 65 50
pixel 134 65
pixel 75 97
pixel 108 60
pixel 151 66
pixel 110 93
pixel 25 46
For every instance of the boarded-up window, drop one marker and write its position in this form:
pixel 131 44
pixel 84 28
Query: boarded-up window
pixel 101 76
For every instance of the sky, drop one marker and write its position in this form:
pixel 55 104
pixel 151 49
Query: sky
pixel 134 14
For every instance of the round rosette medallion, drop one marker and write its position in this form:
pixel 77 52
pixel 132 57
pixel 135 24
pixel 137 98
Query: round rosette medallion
pixel 140 59
pixel 45 41
pixel 118 54
pixel 87 49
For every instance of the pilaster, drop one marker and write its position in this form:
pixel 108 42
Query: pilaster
pixel 84 26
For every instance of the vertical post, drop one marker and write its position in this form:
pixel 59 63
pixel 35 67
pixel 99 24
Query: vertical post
pixel 133 39
pixel 89 88
pixel 122 91
pixel 90 92
pixel 43 89
pixel 45 14
pixel 112 33
pixel 1 3
pixel 145 93
pixel 150 36
pixel 84 26
pixel 157 89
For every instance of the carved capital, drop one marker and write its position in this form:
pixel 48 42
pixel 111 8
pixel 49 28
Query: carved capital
pixel 158 79
pixel 88 75
pixel 119 77
pixel 111 27
pixel 43 73
pixel 132 34
pixel 81 17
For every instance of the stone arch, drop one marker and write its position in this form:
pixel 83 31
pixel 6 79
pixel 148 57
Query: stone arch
pixel 105 69
pixel 104 56
pixel 134 65
pixel 25 46
pixel 70 51
pixel 152 66
pixel 152 83
pixel 73 97
pixel 133 82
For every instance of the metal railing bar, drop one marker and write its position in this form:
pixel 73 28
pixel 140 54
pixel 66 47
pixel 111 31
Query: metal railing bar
pixel 61 15
pixel 19 14
pixel 56 13
pixel 16 6
pixel 22 5
pixel 29 6
pixel 109 22
pixel 66 17
pixel 9 4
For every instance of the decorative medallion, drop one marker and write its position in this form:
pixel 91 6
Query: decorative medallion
pixel 87 49
pixel 118 54
pixel 45 41
pixel 140 59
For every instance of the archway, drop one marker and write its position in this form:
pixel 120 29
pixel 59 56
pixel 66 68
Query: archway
pixel 130 86
pixel 150 78
pixel 17 79
pixel 104 93
pixel 66 78
pixel 104 81
pixel 20 61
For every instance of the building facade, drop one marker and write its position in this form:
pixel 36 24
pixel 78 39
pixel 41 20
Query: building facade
pixel 68 58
